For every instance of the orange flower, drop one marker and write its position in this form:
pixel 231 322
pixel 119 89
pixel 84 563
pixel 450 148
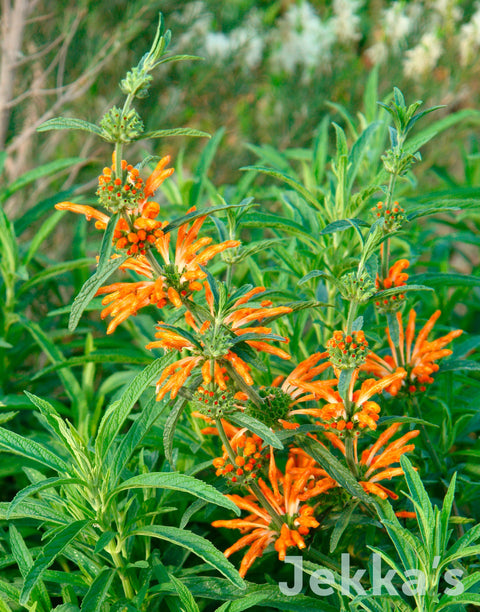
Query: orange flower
pixel 287 494
pixel 418 362
pixel 185 271
pixel 364 413
pixel 217 346
pixel 126 299
pixel 375 466
pixel 396 278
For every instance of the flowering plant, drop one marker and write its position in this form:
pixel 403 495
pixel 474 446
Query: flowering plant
pixel 293 418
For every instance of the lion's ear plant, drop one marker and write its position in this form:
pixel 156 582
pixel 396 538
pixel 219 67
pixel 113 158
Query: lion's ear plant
pixel 294 365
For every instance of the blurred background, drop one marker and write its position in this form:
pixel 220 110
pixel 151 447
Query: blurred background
pixel 270 72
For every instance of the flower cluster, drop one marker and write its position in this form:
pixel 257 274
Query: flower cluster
pixel 347 350
pixel 417 361
pixel 287 494
pixel 393 216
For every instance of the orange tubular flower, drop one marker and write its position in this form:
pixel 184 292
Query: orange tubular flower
pixel 365 413
pixel 287 495
pixel 375 466
pixel 217 346
pixel 418 362
pixel 126 299
pixel 396 278
pixel 185 272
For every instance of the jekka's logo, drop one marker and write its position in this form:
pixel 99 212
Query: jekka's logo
pixel 323 581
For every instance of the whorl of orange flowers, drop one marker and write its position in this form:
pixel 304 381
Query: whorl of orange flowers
pixel 287 494
pixel 364 412
pixel 214 346
pixel 417 360
pixel 375 466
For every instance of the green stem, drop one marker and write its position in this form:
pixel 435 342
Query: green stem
pixel 350 455
pixel 352 311
pixel 117 560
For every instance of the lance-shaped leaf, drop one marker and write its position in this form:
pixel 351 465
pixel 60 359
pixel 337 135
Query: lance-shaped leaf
pixel 256 427
pixel 48 555
pixel 291 182
pixel 68 123
pixel 174 132
pixel 117 413
pixel 36 487
pixel 98 591
pixel 90 288
pixel 14 443
pixel 176 481
pixel 195 544
pixel 386 293
pixel 196 214
pixel 336 469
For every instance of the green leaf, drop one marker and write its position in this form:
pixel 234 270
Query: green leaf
pixel 196 214
pixel 169 429
pixel 33 175
pixel 103 540
pixel 117 413
pixel 134 436
pixel 291 182
pixel 40 486
pixel 432 210
pixel 69 381
pixel 344 382
pixel 344 224
pixel 43 232
pixel 107 240
pixel 340 525
pixel 413 144
pixel 419 496
pixel 264 220
pixel 24 561
pixel 256 427
pixel 184 594
pixel 405 419
pixel 30 449
pixel 445 280
pixel 96 357
pixel 36 510
pixel 48 555
pixel 68 123
pixel 385 293
pixel 98 591
pixel 174 132
pixel 336 470
pixel 176 481
pixel 203 166
pixel 90 288
pixel 195 544
pixel 56 270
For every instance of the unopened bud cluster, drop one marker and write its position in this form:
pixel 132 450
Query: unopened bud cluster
pixel 136 82
pixel 121 127
pixel 347 351
pixel 357 288
pixel 398 162
pixel 273 409
pixel 120 193
pixel 394 216
pixel 214 404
